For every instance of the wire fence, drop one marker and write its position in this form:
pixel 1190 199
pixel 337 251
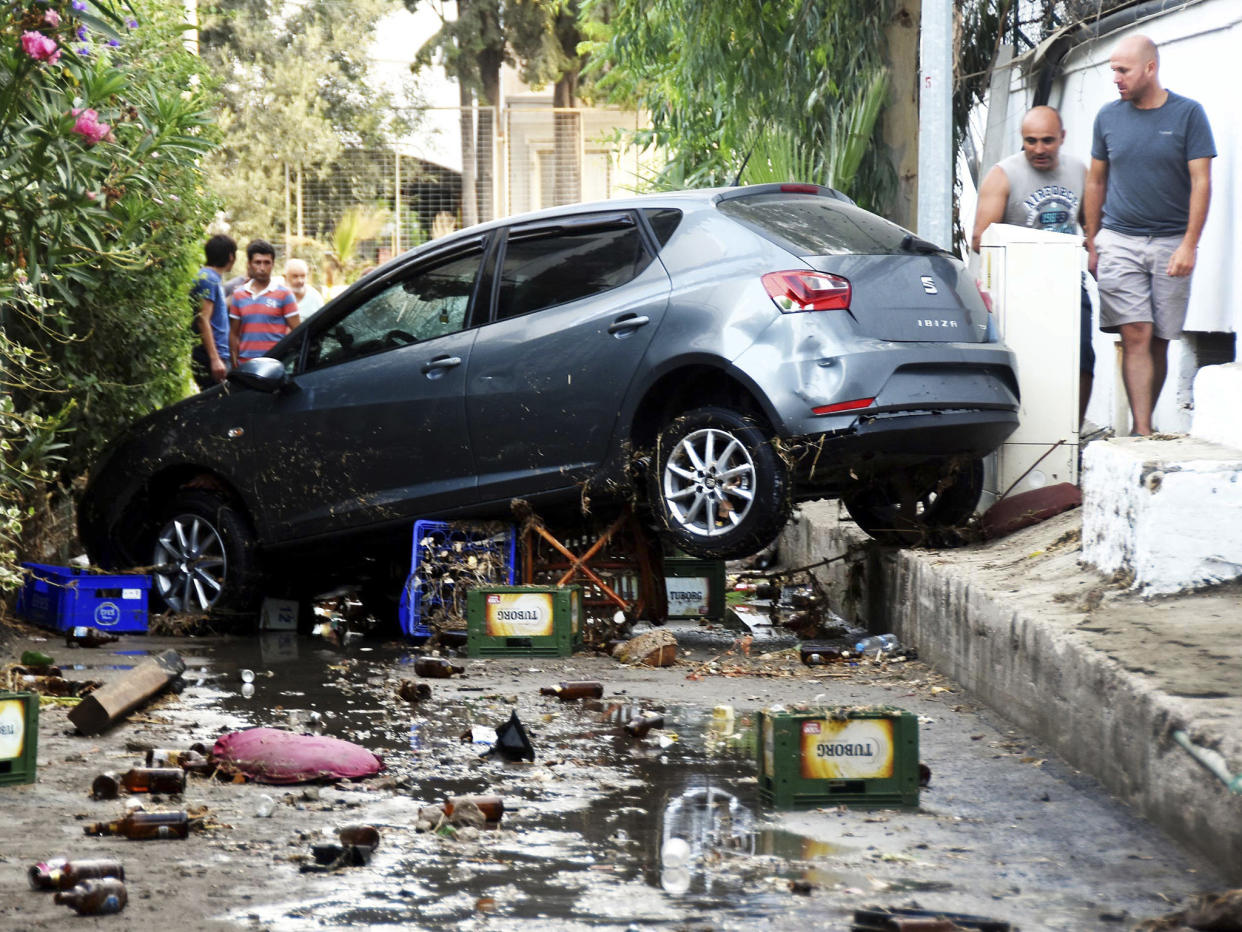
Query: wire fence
pixel 469 165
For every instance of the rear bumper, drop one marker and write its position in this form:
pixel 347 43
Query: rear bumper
pixel 827 462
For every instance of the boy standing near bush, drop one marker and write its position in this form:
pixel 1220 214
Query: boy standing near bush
pixel 210 358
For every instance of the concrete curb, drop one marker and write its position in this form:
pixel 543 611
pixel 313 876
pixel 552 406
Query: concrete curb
pixel 1097 673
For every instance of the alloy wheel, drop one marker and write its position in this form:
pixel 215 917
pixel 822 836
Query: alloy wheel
pixel 709 482
pixel 189 563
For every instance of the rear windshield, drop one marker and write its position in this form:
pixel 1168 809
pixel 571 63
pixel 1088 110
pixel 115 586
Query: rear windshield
pixel 811 225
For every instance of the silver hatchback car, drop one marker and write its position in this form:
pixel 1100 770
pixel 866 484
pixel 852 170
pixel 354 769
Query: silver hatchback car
pixel 716 355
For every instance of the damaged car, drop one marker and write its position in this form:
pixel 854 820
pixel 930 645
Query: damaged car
pixel 712 356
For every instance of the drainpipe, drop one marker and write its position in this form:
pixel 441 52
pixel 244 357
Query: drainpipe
pixel 1048 55
pixel 1211 761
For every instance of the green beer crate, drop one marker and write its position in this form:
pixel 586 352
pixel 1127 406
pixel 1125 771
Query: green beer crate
pixel 531 621
pixel 838 756
pixel 695 588
pixel 19 737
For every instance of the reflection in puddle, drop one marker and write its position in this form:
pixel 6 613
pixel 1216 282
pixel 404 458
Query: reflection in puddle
pixel 603 831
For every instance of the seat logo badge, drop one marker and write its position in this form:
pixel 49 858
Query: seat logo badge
pixel 929 284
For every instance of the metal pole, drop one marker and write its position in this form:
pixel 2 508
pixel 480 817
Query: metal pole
pixel 396 200
pixel 935 216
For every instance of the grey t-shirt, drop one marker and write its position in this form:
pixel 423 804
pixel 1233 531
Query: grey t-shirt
pixel 1147 150
pixel 1045 200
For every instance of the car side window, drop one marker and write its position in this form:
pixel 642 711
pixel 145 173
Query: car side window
pixel 431 301
pixel 566 265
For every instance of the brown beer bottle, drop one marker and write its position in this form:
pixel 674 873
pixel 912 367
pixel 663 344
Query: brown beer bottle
pixel 154 780
pixel 106 786
pixel 576 689
pixel 86 636
pixel 359 834
pixel 144 825
pixel 492 807
pixel 95 897
pixel 189 760
pixel 436 668
pixel 638 727
pixel 61 874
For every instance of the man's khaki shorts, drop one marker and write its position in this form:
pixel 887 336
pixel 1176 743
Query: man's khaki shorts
pixel 1134 286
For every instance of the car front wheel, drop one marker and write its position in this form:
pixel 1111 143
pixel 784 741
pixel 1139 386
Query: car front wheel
pixel 204 556
pixel 719 487
pixel 927 505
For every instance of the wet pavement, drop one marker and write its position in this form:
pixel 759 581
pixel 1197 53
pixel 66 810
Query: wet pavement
pixel 606 832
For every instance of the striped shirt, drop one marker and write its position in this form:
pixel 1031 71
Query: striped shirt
pixel 263 316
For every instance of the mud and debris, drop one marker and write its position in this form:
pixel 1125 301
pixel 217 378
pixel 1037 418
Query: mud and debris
pixel 602 830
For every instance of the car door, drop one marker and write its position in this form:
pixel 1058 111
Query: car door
pixel 578 300
pixel 372 428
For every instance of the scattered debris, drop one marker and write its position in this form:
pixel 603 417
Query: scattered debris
pixel 639 727
pixel 1219 912
pixel 107 705
pixel 511 741
pixel 651 648
pixel 414 691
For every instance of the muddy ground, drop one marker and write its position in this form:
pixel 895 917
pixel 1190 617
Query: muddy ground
pixel 1004 830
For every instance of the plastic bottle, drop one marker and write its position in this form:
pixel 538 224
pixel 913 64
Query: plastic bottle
pixel 880 642
pixel 86 636
pixel 96 897
pixel 576 689
pixel 436 667
pixel 61 874
pixel 144 825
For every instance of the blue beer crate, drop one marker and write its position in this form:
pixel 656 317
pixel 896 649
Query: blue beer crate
pixel 60 597
pixel 447 559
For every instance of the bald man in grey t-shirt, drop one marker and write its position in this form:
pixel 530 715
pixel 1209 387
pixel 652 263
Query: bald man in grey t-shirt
pixel 1144 208
pixel 1041 187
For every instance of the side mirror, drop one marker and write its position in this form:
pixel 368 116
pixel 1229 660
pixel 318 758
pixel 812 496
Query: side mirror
pixel 262 374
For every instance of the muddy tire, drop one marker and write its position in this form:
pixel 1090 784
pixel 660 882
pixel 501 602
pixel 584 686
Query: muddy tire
pixel 925 506
pixel 204 557
pixel 717 486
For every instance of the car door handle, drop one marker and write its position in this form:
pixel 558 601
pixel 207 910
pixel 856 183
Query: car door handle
pixel 626 324
pixel 441 362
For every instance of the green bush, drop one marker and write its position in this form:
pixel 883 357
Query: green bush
pixel 102 212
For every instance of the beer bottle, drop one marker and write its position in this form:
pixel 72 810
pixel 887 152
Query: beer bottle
pixel 95 897
pixel 144 825
pixel 492 807
pixel 577 689
pixel 106 786
pixel 86 636
pixel 816 653
pixel 436 668
pixel 360 834
pixel 189 760
pixel 35 658
pixel 413 691
pixel 638 727
pixel 154 780
pixel 61 874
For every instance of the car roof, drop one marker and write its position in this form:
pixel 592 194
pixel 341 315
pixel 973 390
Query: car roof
pixel 685 199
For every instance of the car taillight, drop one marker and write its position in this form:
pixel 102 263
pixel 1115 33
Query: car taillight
pixel 806 290
pixel 800 188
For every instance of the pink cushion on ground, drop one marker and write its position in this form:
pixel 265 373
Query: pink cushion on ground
pixel 270 755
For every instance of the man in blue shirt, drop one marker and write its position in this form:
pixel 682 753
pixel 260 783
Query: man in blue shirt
pixel 1144 206
pixel 209 360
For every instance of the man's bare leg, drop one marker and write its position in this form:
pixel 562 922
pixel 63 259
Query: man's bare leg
pixel 1085 381
pixel 1159 367
pixel 1138 373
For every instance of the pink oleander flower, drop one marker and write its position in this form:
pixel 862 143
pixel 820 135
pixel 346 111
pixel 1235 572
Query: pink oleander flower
pixel 52 18
pixel 89 127
pixel 40 47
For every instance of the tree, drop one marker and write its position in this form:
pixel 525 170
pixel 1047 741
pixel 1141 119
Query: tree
pixel 101 210
pixel 720 80
pixel 294 92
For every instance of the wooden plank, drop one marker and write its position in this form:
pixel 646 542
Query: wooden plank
pixel 109 704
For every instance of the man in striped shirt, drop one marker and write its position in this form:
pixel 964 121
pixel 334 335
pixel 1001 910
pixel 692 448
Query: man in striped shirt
pixel 260 311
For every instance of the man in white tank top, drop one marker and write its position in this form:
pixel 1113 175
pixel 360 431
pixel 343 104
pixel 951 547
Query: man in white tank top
pixel 1042 188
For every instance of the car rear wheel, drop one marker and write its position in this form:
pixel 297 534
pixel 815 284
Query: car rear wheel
pixel 719 487
pixel 924 505
pixel 204 556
